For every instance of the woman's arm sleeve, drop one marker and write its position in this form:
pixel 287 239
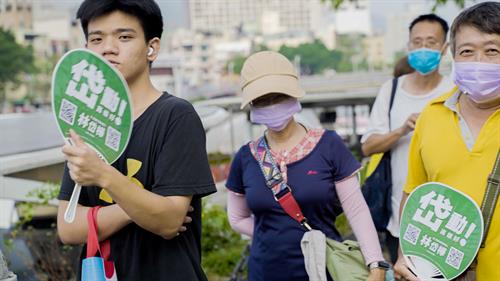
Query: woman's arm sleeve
pixel 239 215
pixel 359 217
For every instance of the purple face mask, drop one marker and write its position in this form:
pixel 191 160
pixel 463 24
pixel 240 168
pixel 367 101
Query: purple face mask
pixel 481 81
pixel 275 116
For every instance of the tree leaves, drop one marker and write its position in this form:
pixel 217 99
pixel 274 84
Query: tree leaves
pixel 314 57
pixel 460 3
pixel 15 59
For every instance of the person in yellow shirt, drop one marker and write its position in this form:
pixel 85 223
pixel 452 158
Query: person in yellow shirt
pixel 457 136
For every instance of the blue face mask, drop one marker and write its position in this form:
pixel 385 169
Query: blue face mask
pixel 424 60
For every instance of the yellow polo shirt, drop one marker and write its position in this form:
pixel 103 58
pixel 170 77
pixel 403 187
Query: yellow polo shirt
pixel 438 153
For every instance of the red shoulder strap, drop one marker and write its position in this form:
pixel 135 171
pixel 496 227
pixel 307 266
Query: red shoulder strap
pixel 93 245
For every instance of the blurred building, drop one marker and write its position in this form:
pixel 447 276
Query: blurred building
pixel 397 29
pixel 224 15
pixel 51 31
pixel 201 59
pixel 258 16
pixel 195 51
pixel 55 31
pixel 373 51
pixel 223 29
pixel 166 73
pixel 290 39
pixel 17 17
pixel 354 17
pixel 328 35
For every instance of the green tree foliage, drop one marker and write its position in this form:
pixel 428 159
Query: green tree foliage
pixel 15 60
pixel 350 45
pixel 399 54
pixel 314 57
pixel 42 240
pixel 235 64
pixel 39 85
pixel 460 3
pixel 259 48
pixel 221 246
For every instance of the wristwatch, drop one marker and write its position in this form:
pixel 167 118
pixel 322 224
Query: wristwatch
pixel 379 264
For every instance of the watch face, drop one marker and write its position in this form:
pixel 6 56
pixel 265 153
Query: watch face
pixel 380 264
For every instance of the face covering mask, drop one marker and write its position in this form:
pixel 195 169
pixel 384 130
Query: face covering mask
pixel 424 60
pixel 481 81
pixel 276 116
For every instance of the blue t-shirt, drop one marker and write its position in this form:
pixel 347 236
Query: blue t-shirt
pixel 275 253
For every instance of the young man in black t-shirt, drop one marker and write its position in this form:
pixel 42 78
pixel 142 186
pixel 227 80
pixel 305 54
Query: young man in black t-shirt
pixel 146 193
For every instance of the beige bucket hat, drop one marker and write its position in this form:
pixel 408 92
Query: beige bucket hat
pixel 268 72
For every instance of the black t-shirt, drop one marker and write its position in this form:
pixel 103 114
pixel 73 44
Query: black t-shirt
pixel 167 156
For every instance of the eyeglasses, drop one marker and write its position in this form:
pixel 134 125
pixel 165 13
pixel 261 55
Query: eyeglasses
pixel 428 43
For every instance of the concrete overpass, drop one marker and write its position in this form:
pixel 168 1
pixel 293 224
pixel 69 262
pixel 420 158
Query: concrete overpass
pixel 338 89
pixel 30 153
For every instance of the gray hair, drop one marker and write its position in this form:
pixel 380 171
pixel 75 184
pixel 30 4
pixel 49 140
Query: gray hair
pixel 483 16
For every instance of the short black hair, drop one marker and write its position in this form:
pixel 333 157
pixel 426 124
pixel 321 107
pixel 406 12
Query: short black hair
pixel 146 11
pixel 431 18
pixel 483 16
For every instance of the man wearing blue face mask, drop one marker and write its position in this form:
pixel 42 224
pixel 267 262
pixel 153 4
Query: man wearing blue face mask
pixel 457 137
pixel 391 126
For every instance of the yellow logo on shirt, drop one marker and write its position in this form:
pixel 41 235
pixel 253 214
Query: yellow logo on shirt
pixel 133 167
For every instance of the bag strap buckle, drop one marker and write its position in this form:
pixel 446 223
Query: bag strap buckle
pixel 284 191
pixel 305 224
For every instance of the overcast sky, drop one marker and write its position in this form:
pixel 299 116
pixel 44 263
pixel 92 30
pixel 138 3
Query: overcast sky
pixel 176 12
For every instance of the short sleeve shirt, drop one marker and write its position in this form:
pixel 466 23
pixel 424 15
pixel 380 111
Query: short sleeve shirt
pixel 275 253
pixel 438 153
pixel 404 105
pixel 166 155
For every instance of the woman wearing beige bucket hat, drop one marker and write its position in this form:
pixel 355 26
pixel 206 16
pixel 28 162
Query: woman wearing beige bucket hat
pixel 291 180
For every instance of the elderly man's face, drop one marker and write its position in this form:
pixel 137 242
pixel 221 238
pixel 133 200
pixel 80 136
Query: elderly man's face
pixel 472 45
